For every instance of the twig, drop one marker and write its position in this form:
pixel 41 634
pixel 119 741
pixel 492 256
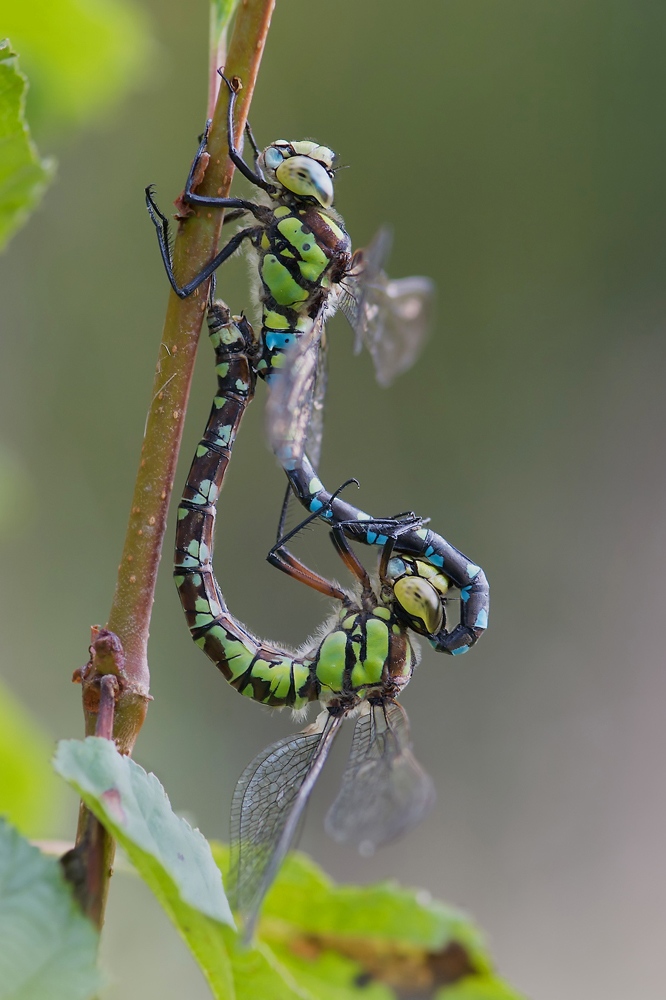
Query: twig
pixel 129 619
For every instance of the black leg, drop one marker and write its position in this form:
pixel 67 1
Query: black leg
pixel 234 216
pixel 256 152
pixel 192 198
pixel 280 557
pixel 234 154
pixel 283 516
pixel 283 539
pixel 161 224
pixel 393 527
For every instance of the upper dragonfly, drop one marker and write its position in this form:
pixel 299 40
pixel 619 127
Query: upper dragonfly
pixel 306 270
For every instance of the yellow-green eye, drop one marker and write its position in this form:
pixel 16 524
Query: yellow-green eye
pixel 307 178
pixel 420 602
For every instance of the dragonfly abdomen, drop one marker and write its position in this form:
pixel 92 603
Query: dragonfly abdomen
pixel 263 672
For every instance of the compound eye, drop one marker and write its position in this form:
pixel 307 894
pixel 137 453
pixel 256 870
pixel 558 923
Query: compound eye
pixel 420 602
pixel 307 178
pixel 273 157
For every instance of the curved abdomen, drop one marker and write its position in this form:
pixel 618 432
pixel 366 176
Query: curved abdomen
pixel 263 672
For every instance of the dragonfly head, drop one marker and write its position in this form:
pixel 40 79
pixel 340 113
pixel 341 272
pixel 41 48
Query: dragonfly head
pixel 419 591
pixel 302 168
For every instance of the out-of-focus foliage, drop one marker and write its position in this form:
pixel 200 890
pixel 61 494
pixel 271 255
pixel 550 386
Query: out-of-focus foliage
pixel 48 948
pixel 81 56
pixel 23 175
pixel 380 941
pixel 221 12
pixel 29 791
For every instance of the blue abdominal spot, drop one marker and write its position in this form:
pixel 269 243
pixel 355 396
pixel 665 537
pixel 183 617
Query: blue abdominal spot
pixel 274 340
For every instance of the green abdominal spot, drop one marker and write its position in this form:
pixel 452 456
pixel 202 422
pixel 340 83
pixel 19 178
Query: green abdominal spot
pixel 277 675
pixel 238 656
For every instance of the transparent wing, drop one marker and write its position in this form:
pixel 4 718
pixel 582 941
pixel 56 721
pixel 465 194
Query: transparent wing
pixel 268 803
pixel 294 396
pixel 391 318
pixel 385 791
pixel 316 429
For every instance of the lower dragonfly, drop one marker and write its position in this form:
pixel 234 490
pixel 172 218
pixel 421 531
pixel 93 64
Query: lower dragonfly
pixel 304 271
pixel 359 664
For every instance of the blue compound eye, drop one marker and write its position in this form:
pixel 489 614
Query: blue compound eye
pixel 273 157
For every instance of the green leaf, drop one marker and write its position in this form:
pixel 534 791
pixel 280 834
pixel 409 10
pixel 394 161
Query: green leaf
pixel 176 862
pixel 328 975
pixel 47 947
pixel 171 857
pixel 478 988
pixel 23 176
pixel 257 974
pixel 29 791
pixel 344 942
pixel 82 56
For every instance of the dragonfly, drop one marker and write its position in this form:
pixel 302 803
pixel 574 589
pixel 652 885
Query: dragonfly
pixel 361 661
pixel 305 271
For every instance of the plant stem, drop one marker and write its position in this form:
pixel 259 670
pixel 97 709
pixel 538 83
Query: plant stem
pixel 195 244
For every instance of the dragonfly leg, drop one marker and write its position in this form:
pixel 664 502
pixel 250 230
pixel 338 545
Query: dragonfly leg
pixel 256 152
pixel 161 224
pixel 193 178
pixel 280 557
pixel 283 560
pixel 234 154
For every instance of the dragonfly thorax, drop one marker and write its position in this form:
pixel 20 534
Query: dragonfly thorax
pixel 368 656
pixel 303 169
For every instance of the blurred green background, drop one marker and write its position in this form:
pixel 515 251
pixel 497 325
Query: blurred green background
pixel 517 150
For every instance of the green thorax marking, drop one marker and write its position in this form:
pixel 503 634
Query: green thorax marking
pixel 296 251
pixel 355 655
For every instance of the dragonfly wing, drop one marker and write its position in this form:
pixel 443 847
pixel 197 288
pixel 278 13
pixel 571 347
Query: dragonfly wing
pixel 316 429
pixel 385 791
pixel 268 803
pixel 391 318
pixel 292 396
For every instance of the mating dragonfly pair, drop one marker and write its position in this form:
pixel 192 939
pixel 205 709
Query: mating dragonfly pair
pixel 365 653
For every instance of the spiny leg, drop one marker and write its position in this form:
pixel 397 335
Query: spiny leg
pixel 255 176
pixel 256 152
pixel 161 224
pixel 280 557
pixel 234 153
pixel 192 198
